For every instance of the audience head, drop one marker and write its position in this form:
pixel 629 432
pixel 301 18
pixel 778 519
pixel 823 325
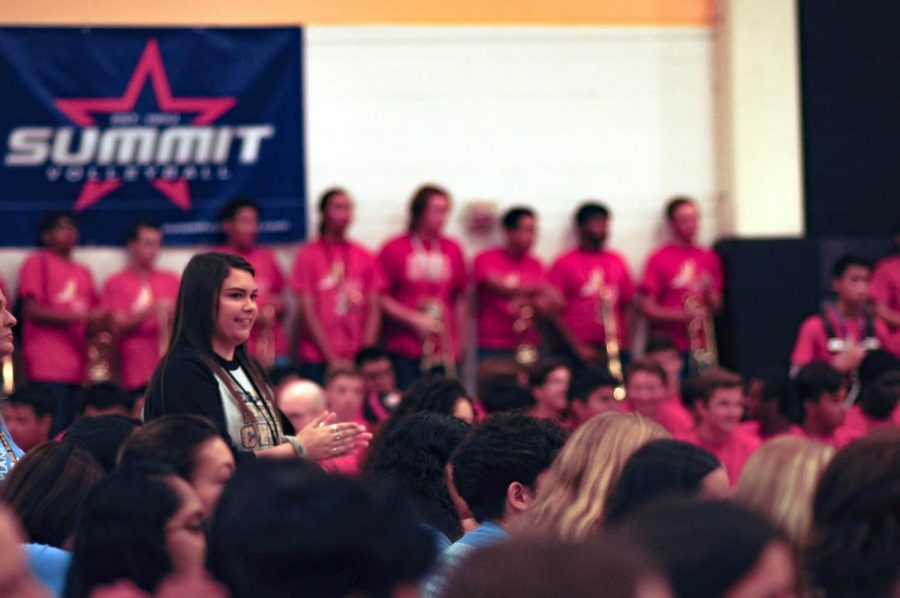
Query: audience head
pixel 876 363
pixel 683 217
pixel 146 522
pixel 548 381
pixel 102 436
pixel 879 399
pixel 345 393
pixel 496 469
pixel 438 394
pixel 376 368
pixel 646 386
pixel 414 455
pixel 662 350
pixel 571 502
pixel 428 210
pixel 191 447
pixel 856 519
pixel 59 231
pixel 538 567
pixel 286 528
pixel 504 395
pixel 779 481
pixel 47 489
pixel 718 401
pixel 28 414
pixel 591 393
pixel 16 577
pixel 850 279
pixel 144 243
pixel 520 225
pixel 769 397
pixel 714 549
pixel 665 468
pixel 240 222
pixel 300 402
pixel 335 211
pixel 107 398
pixel 592 223
pixel 820 389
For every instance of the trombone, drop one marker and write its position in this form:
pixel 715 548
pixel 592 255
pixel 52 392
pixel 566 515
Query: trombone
pixel 526 353
pixel 701 335
pixel 431 356
pixel 9 384
pixel 607 317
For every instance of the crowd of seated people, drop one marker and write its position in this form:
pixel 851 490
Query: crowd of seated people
pixel 170 443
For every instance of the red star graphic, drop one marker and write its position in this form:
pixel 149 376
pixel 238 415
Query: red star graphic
pixel 150 66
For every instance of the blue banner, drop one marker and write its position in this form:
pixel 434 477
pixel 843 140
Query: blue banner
pixel 120 124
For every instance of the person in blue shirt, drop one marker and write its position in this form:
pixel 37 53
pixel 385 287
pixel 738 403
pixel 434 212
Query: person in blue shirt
pixel 496 471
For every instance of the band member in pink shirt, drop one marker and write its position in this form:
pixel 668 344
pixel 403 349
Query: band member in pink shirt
pixel 141 303
pixel 424 299
pixel 682 280
pixel 60 305
pixel 512 292
pixel 845 330
pixel 885 292
pixel 240 224
pixel 339 290
pixel 822 391
pixel 719 404
pixel 588 276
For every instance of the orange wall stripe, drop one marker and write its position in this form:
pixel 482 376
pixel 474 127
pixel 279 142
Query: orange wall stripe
pixel 359 12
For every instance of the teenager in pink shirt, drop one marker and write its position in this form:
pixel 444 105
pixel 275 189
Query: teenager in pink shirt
pixel 646 393
pixel 59 305
pixel 583 276
pixel 339 292
pixel 822 391
pixel 548 381
pixel 512 289
pixel 240 224
pixel 845 330
pixel 885 292
pixel 718 405
pixel 345 396
pixel 877 407
pixel 682 280
pixel 141 303
pixel 663 351
pixel 424 297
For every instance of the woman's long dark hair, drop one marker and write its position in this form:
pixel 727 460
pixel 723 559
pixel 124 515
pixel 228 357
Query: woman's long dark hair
pixel 121 534
pixel 414 455
pixel 194 324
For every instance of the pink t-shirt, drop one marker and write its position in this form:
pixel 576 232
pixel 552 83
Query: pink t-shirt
pixel 838 438
pixel 497 314
pixel 674 416
pixel 885 290
pixel 340 278
pixel 128 292
pixel 673 272
pixel 580 276
pixel 56 353
pixel 270 282
pixel 733 453
pixel 812 340
pixel 415 274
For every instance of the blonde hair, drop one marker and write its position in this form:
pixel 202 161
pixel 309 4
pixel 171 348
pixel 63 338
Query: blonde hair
pixel 571 498
pixel 779 482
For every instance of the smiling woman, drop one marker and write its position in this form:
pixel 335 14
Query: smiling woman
pixel 206 370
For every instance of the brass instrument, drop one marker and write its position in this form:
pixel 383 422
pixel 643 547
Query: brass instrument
pixel 431 357
pixel 701 335
pixel 526 353
pixel 265 341
pixel 99 357
pixel 611 339
pixel 6 366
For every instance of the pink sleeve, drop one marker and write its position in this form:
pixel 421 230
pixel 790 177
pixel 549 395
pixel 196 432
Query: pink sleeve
pixel 30 284
pixel 715 264
pixel 301 277
pixel 389 264
pixel 277 276
pixel 879 285
pixel 626 292
pixel 805 347
pixel 480 268
pixel 651 285
pixel 555 277
pixel 460 273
